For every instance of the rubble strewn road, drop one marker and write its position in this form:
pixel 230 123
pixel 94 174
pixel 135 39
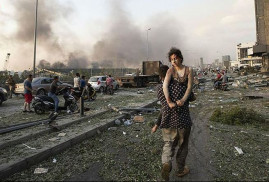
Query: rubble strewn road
pixel 131 152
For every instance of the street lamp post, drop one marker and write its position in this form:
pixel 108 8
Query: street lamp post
pixel 35 38
pixel 148 43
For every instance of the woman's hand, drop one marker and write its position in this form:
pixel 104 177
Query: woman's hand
pixel 171 104
pixel 154 128
pixel 180 102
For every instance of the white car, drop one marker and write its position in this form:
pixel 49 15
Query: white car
pixel 99 83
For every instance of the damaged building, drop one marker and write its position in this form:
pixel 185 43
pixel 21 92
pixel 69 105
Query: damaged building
pixel 262 32
pixel 256 54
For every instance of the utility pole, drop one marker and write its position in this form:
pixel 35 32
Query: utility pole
pixel 35 38
pixel 148 43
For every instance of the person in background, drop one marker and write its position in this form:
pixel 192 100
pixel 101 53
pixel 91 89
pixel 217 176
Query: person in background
pixel 82 85
pixel 109 82
pixel 162 72
pixel 52 93
pixel 224 77
pixel 11 84
pixel 28 93
pixel 77 82
pixel 218 80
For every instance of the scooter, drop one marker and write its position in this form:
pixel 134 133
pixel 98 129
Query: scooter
pixel 221 86
pixel 45 103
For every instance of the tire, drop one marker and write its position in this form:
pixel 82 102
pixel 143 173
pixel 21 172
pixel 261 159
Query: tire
pixel 41 92
pixel 94 96
pixel 117 87
pixel 111 91
pixel 39 109
pixel 101 89
pixel 1 100
pixel 73 107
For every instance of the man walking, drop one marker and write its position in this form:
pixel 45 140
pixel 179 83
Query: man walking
pixel 11 84
pixel 28 93
pixel 52 93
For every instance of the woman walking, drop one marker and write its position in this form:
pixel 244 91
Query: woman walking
pixel 176 121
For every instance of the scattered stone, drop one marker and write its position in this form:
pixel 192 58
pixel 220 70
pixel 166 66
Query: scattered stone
pixel 29 147
pixel 267 161
pixel 61 134
pixel 239 150
pixel 54 160
pixel 117 122
pixel 40 170
pixel 98 132
pixel 124 133
pixel 112 129
pixel 54 139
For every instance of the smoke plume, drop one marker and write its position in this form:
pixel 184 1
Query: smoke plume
pixel 125 44
pixel 49 11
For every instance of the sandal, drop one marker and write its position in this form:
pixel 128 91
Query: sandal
pixel 184 172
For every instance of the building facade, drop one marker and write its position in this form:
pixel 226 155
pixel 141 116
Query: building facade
pixel 245 56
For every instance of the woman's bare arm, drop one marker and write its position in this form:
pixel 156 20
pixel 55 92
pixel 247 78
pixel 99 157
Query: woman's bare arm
pixel 165 88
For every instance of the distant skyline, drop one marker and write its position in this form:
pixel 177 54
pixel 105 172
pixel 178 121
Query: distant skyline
pixel 113 32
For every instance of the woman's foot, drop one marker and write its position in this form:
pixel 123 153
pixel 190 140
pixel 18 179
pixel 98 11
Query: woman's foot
pixel 166 171
pixel 184 172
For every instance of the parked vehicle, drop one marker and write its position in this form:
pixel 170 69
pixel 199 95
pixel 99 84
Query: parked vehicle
pixel 43 103
pixel 150 75
pixel 40 85
pixel 3 95
pixel 99 83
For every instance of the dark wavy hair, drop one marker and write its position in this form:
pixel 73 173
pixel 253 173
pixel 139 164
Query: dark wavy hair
pixel 162 70
pixel 175 51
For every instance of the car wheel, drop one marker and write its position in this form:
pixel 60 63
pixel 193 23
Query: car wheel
pixel 117 87
pixel 1 100
pixel 101 89
pixel 41 92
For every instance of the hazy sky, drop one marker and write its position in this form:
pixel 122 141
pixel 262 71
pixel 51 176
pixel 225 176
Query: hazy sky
pixel 105 31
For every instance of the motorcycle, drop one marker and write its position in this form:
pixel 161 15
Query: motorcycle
pixel 221 86
pixel 88 94
pixel 109 90
pixel 43 103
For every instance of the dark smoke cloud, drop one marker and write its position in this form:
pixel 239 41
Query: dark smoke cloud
pixel 77 60
pixel 125 45
pixel 49 11
pixel 43 64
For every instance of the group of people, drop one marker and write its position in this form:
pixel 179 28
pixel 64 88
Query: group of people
pixel 174 119
pixel 220 78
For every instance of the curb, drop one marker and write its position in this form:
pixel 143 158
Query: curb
pixel 20 165
pixel 25 138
